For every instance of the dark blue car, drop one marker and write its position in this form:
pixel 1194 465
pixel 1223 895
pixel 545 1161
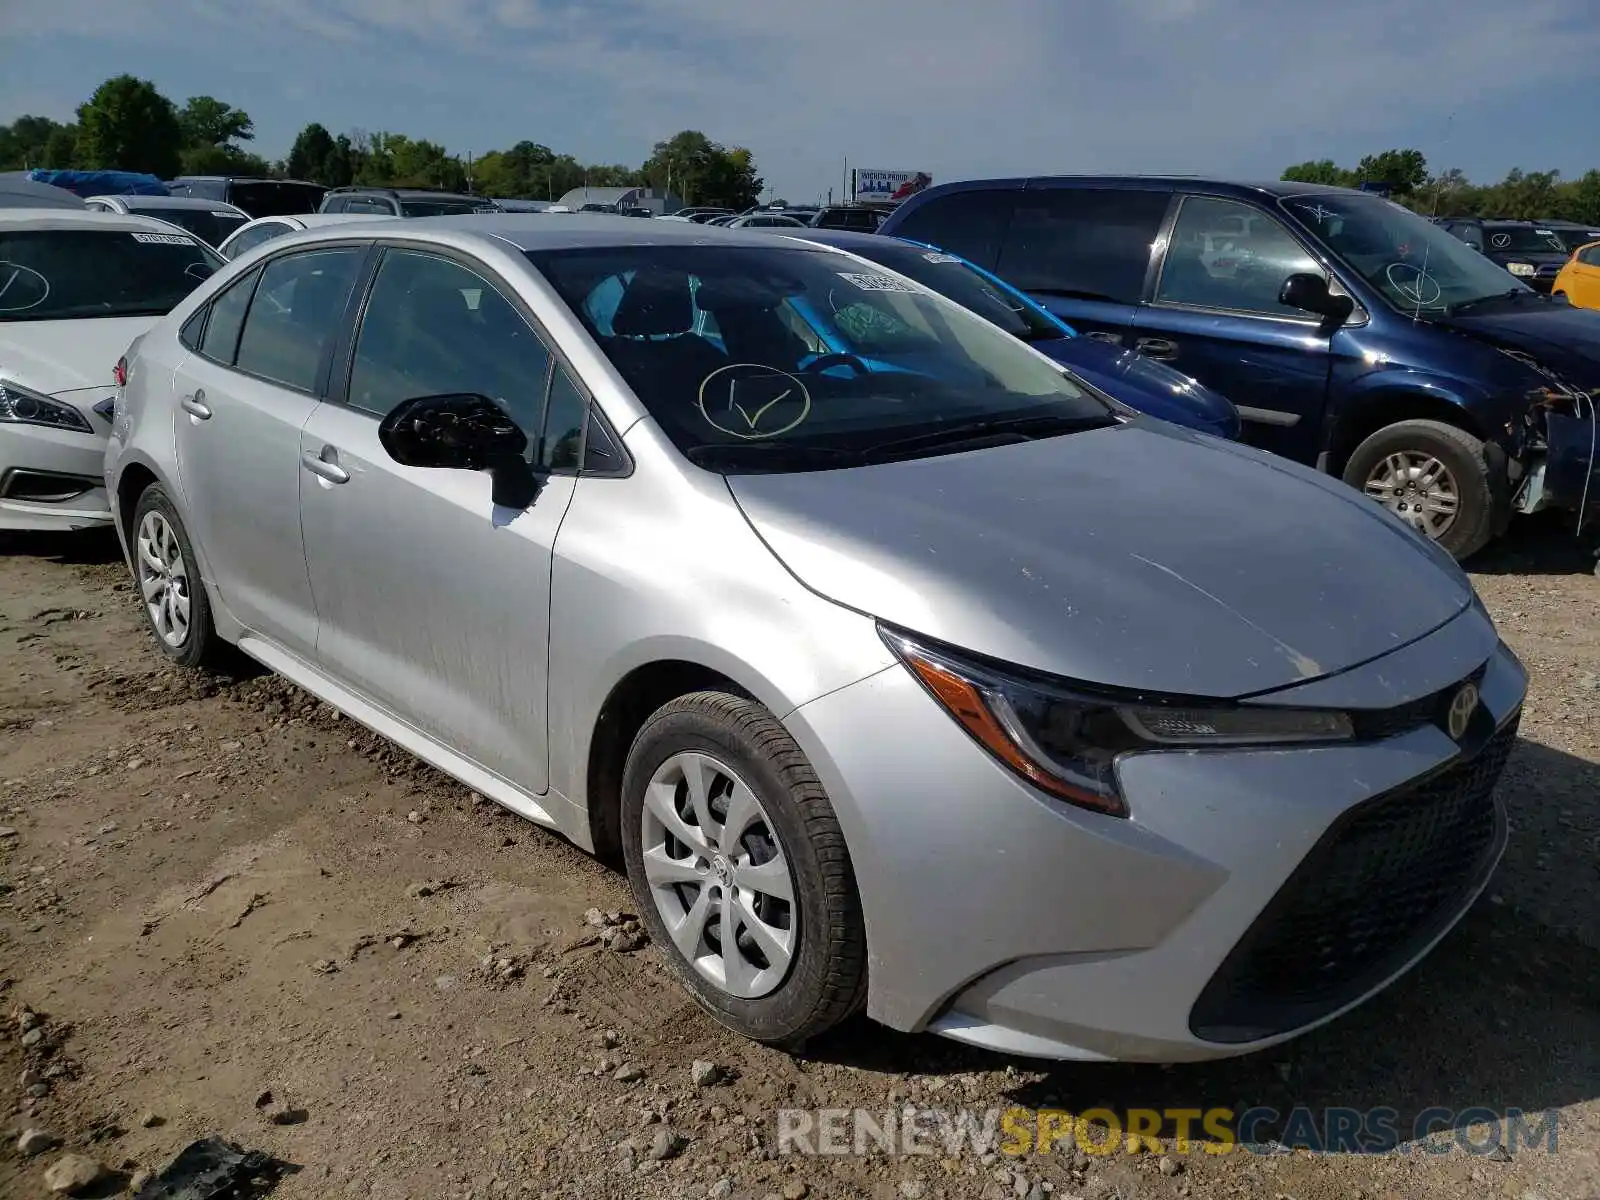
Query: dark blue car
pixel 1351 333
pixel 1133 379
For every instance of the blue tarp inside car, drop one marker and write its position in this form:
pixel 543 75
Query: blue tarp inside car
pixel 102 183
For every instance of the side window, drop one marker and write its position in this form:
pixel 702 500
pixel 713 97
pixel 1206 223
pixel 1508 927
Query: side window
pixel 561 448
pixel 295 314
pixel 193 328
pixel 221 337
pixel 365 204
pixel 98 206
pixel 971 224
pixel 601 453
pixel 1590 257
pixel 433 327
pixel 334 204
pixel 1092 243
pixel 1228 255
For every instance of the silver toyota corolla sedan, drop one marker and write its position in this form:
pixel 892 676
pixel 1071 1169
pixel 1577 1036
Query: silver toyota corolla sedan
pixel 908 676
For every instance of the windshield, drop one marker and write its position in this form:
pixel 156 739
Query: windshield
pixel 1521 239
pixel 211 226
pixel 66 274
pixel 791 358
pixel 442 207
pixel 960 281
pixel 1576 239
pixel 1417 266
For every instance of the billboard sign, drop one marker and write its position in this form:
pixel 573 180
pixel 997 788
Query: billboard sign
pixel 889 186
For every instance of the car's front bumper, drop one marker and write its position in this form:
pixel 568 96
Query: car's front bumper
pixel 1002 918
pixel 37 462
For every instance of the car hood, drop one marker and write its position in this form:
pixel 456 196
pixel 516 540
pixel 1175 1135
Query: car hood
pixel 1564 338
pixel 1138 556
pixel 66 356
pixel 1145 384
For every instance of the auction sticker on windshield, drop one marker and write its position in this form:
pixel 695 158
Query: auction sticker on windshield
pixel 877 283
pixel 936 257
pixel 163 239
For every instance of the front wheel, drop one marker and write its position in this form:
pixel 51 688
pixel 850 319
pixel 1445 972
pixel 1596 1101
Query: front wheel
pixel 740 869
pixel 1435 477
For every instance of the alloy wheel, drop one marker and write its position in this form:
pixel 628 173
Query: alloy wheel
pixel 164 579
pixel 719 876
pixel 1417 488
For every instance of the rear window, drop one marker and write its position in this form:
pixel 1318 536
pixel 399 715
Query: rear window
pixel 441 208
pixel 971 224
pixel 275 197
pixel 70 274
pixel 211 226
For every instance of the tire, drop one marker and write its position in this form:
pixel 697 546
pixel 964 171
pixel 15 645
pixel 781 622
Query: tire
pixel 1479 498
pixel 735 740
pixel 158 534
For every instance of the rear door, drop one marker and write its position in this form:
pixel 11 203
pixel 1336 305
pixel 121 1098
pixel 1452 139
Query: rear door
pixel 1084 252
pixel 243 398
pixel 1214 315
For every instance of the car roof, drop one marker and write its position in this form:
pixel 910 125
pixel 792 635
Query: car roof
pixel 849 239
pixel 189 202
pixel 71 218
pixel 1275 188
pixel 536 231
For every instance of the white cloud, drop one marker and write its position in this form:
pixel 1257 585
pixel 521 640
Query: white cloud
pixel 952 86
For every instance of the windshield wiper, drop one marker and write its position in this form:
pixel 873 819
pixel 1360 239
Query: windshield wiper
pixel 1515 293
pixel 1019 428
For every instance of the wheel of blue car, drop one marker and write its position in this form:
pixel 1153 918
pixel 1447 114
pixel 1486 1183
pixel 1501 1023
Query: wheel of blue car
pixel 1433 476
pixel 740 869
pixel 167 575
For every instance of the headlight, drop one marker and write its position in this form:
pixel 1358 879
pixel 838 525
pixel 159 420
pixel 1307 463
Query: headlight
pixel 20 406
pixel 1520 268
pixel 1065 740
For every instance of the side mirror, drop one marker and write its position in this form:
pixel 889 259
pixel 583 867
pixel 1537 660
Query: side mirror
pixel 463 432
pixel 1309 293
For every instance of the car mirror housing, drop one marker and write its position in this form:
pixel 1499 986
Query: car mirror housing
pixel 464 432
pixel 1309 293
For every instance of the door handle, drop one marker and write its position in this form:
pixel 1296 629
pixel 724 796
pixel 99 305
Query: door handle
pixel 195 405
pixel 323 467
pixel 1161 348
pixel 1102 335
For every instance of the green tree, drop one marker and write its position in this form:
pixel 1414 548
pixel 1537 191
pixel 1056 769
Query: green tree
pixel 312 155
pixel 128 125
pixel 207 121
pixel 24 144
pixel 1323 170
pixel 61 150
pixel 699 171
pixel 1403 170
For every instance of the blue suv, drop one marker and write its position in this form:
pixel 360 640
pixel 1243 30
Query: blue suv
pixel 1350 333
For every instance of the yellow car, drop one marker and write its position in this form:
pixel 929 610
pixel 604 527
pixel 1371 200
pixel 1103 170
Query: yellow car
pixel 1579 280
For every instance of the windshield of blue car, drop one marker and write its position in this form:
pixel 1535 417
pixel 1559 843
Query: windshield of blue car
pixel 71 274
pixel 1520 239
pixel 780 357
pixel 960 281
pixel 1418 267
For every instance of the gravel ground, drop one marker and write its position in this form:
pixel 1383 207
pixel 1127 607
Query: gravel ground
pixel 215 888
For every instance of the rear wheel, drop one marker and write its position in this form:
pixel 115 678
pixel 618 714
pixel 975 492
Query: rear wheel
pixel 1435 477
pixel 740 869
pixel 168 578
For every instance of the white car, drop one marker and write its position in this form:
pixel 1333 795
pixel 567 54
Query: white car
pixel 209 220
pixel 264 229
pixel 76 288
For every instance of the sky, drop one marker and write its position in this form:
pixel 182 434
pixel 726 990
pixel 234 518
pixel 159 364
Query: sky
pixel 957 88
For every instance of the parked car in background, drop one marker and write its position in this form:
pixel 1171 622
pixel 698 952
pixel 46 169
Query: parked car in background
pixel 1197 796
pixel 859 217
pixel 212 221
pixel 505 205
pixel 248 237
pixel 1356 336
pixel 18 191
pixel 1130 378
pixel 75 289
pixel 258 197
pixel 765 220
pixel 700 214
pixel 1579 280
pixel 1572 234
pixel 404 202
pixel 1530 251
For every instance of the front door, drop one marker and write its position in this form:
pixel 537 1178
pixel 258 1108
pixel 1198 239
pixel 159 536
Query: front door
pixel 1215 316
pixel 244 393
pixel 433 603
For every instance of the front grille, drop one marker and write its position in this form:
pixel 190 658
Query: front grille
pixel 1384 880
pixel 1433 709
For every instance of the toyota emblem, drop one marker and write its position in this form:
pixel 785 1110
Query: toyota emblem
pixel 1462 706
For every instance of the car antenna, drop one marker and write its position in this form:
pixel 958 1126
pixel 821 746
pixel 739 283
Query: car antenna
pixel 1433 217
